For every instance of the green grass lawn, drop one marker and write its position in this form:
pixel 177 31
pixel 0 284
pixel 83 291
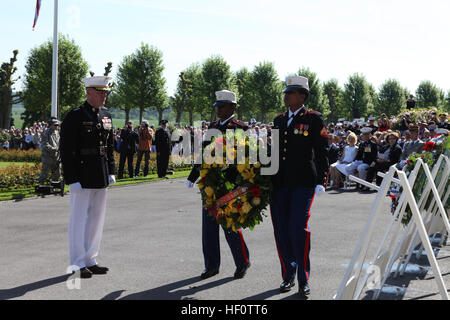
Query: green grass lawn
pixel 29 192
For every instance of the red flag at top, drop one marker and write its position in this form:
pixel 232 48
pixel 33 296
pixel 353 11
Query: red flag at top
pixel 36 15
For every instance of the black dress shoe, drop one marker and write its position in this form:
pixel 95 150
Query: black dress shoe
pixel 287 285
pixel 96 269
pixel 303 288
pixel 85 273
pixel 208 273
pixel 240 272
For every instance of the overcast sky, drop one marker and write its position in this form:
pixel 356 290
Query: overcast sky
pixel 403 39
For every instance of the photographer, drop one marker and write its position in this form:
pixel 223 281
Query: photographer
pixel 144 148
pixel 127 149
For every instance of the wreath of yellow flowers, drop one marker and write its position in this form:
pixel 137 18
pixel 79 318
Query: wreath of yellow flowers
pixel 234 194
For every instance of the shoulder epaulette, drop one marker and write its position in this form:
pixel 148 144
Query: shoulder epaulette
pixel 74 109
pixel 281 115
pixel 242 123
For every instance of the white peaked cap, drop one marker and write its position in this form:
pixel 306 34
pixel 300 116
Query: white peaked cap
pixel 225 96
pixel 99 82
pixel 296 82
pixel 366 130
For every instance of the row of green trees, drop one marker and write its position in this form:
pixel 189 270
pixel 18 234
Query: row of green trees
pixel 140 85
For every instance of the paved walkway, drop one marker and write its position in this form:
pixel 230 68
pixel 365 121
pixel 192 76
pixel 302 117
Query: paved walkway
pixel 152 244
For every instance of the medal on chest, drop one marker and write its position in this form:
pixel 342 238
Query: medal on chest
pixel 305 131
pixel 301 129
pixel 107 123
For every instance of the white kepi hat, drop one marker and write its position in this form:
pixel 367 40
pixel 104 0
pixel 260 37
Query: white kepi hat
pixel 223 97
pixel 294 83
pixel 97 82
pixel 366 130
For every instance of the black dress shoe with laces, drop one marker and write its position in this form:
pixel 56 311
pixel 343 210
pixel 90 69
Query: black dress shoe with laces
pixel 84 273
pixel 303 288
pixel 287 285
pixel 96 269
pixel 208 273
pixel 240 272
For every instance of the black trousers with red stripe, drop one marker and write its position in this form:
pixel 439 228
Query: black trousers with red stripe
pixel 290 211
pixel 211 245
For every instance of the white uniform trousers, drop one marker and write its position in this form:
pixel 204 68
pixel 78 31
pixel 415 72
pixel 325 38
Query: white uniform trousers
pixel 87 217
pixel 357 165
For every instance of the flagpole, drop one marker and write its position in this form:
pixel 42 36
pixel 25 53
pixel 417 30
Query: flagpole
pixel 54 112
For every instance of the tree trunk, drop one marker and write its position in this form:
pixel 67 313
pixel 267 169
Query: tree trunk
pixel 141 114
pixel 127 115
pixel 191 118
pixel 160 115
pixel 178 116
pixel 5 108
pixel 239 113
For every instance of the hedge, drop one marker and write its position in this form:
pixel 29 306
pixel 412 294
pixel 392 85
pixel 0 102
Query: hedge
pixel 32 155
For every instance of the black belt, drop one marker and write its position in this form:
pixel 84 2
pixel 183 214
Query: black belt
pixel 100 151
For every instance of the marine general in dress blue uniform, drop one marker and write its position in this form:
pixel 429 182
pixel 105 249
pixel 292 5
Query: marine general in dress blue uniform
pixel 87 158
pixel 303 163
pixel 225 106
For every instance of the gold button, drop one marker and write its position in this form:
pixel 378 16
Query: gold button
pixel 101 142
pixel 284 149
pixel 285 141
pixel 284 158
pixel 285 133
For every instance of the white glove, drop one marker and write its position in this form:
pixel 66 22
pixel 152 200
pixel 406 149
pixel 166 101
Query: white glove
pixel 320 189
pixel 75 188
pixel 112 179
pixel 189 184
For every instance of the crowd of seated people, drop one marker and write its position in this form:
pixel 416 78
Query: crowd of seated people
pixel 364 149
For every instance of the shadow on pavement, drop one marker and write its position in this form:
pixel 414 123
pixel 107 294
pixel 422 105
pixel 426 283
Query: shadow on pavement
pixel 22 290
pixel 113 295
pixel 264 295
pixel 175 290
pixel 293 295
pixel 398 288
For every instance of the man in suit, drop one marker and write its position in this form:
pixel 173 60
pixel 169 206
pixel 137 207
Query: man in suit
pixel 86 148
pixel 163 148
pixel 415 145
pixel 334 152
pixel 303 166
pixel 372 124
pixel 410 103
pixel 225 107
pixel 127 148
